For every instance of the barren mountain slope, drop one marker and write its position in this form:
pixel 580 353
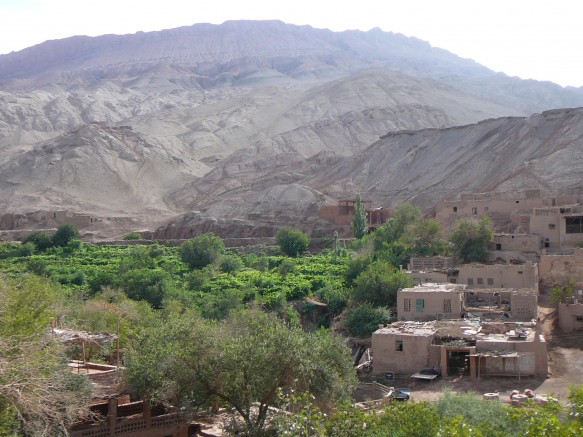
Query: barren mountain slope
pixel 96 170
pixel 247 120
pixel 541 151
pixel 180 157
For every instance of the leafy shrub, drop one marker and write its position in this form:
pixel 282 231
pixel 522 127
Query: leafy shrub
pixel 356 266
pixel 65 233
pixel 286 267
pixel 26 249
pixel 335 298
pixel 363 320
pixel 201 251
pixel 230 263
pixel 470 240
pixel 379 283
pixel 133 236
pixel 292 242
pixel 41 240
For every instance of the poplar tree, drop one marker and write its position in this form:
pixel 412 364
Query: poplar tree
pixel 359 225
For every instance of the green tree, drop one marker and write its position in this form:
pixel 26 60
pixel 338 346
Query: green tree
pixel 242 363
pixel 201 251
pixel 562 289
pixel 41 240
pixel 363 320
pixel 470 240
pixel 65 234
pixel 231 263
pixel 394 229
pixel 379 283
pixel 151 285
pixel 292 242
pixel 423 238
pixel 133 236
pixel 359 224
pixel 38 393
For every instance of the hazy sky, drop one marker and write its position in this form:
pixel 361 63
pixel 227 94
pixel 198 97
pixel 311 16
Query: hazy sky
pixel 532 39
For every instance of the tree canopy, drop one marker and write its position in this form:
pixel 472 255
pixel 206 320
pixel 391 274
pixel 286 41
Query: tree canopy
pixel 292 242
pixel 243 361
pixel 359 225
pixel 379 283
pixel 38 393
pixel 64 235
pixel 201 251
pixel 470 240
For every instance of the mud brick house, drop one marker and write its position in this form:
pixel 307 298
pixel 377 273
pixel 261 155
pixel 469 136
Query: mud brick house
pixel 476 275
pixel 471 347
pixel 343 214
pixel 430 302
pixel 559 227
pixel 517 243
pixel 567 264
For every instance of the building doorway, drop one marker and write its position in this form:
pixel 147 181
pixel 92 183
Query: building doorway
pixel 458 363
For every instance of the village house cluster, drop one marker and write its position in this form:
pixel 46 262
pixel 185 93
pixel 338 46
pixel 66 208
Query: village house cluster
pixel 482 318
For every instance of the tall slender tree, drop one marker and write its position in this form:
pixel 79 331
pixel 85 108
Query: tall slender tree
pixel 359 225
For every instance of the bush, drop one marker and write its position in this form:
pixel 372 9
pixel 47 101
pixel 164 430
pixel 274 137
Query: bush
pixel 470 240
pixel 286 267
pixel 41 240
pixel 231 264
pixel 378 285
pixel 363 320
pixel 335 298
pixel 25 249
pixel 291 241
pixel 201 251
pixel 64 235
pixel 133 236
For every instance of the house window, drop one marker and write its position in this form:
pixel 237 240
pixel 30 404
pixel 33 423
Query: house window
pixel 470 281
pixel 407 305
pixel 579 318
pixel 474 210
pixel 551 226
pixel 574 225
pixel 498 246
pixel 455 209
pixel 486 209
pixel 480 281
pixel 520 273
pixel 452 280
pixel 490 281
pixel 447 305
pixel 399 345
pixel 420 305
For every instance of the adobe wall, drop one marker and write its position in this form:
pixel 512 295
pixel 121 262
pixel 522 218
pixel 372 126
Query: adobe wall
pixel 524 306
pixel 436 304
pixel 448 212
pixel 499 275
pixel 430 263
pixel 517 242
pixel 413 357
pixel 534 359
pixel 424 277
pixel 561 266
pixel 550 224
pixel 571 317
